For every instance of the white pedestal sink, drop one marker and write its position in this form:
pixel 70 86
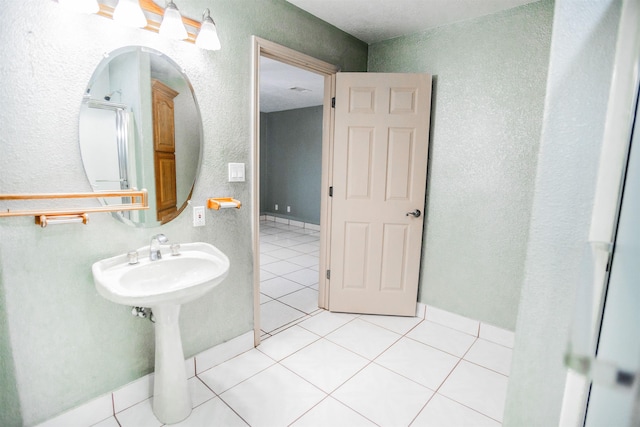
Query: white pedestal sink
pixel 163 285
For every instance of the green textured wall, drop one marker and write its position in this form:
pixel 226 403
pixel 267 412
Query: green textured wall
pixel 69 344
pixel 9 400
pixel 488 95
pixel 293 147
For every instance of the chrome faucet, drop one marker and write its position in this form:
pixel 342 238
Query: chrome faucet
pixel 154 246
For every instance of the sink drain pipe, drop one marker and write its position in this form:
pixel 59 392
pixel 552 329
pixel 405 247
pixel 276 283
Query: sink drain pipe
pixel 143 312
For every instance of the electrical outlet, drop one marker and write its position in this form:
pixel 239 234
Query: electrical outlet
pixel 276 207
pixel 198 216
pixel 288 208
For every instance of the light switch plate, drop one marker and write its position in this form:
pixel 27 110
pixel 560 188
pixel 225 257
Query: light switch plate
pixel 236 172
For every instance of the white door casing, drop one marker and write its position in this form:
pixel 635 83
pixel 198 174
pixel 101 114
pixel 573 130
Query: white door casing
pixel 380 152
pixel 262 47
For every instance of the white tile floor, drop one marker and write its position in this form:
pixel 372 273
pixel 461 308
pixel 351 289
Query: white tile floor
pixel 289 275
pixel 316 368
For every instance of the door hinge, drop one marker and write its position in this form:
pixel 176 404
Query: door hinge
pixel 331 191
pixel 328 274
pixel 333 102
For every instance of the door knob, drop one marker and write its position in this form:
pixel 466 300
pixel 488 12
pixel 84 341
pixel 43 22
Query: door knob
pixel 415 214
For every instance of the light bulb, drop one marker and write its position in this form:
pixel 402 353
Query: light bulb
pixel 208 35
pixel 81 6
pixel 129 13
pixel 172 25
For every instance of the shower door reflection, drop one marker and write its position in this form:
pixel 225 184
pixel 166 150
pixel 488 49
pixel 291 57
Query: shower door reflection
pixel 108 164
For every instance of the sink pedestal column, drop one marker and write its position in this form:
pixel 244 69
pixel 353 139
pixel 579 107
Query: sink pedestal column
pixel 171 399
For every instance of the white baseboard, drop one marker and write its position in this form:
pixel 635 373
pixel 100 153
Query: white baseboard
pixel 453 321
pixel 223 352
pixel 87 414
pixel 469 326
pixel 279 220
pixel 496 335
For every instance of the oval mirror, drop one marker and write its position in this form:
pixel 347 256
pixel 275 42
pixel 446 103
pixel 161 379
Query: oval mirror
pixel 140 127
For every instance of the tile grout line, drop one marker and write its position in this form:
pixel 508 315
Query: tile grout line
pixel 291 354
pixel 477 364
pixel 333 330
pixel 391 330
pixel 289 305
pixel 308 410
pixel 484 367
pixel 442 383
pixel 216 395
pixel 113 406
pixel 460 359
pixel 470 408
pixel 233 410
pixel 235 385
pixel 454 368
pixel 278 362
pixel 405 335
pixel 284 295
pixel 435 348
pixel 288 325
pixel 329 394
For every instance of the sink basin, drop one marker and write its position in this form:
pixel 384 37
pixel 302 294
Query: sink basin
pixel 163 285
pixel 170 280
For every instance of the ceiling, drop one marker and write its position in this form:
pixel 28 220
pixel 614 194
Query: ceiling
pixel 370 21
pixel 285 87
pixel 375 20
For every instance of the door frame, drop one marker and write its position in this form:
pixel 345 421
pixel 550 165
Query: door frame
pixel 268 49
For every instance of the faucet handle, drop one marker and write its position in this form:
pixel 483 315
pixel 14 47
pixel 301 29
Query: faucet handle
pixel 175 249
pixel 132 257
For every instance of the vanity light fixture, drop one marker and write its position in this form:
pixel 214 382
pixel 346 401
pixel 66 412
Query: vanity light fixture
pixel 208 35
pixel 81 6
pixel 150 16
pixel 172 25
pixel 129 13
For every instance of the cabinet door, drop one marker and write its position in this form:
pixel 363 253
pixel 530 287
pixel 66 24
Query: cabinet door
pixel 166 199
pixel 163 123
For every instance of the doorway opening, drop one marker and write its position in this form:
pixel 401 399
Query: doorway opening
pixel 289 197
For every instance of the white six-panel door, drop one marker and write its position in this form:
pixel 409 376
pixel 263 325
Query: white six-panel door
pixel 379 180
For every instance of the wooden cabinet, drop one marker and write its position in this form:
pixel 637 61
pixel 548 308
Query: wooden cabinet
pixel 164 145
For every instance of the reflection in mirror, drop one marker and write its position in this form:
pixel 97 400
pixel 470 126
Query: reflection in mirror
pixel 140 127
